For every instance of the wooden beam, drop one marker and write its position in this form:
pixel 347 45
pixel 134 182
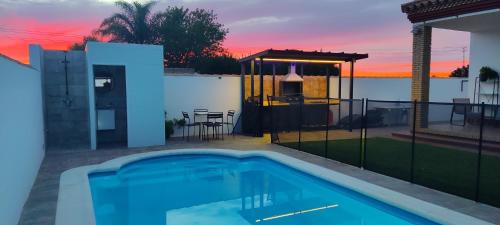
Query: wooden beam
pixel 243 93
pixel 274 79
pixel 340 82
pixel 351 94
pixel 252 73
pixel 327 94
pixel 261 98
pixel 351 81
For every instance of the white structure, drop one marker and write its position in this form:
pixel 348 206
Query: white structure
pixel 21 135
pixel 25 112
pixel 484 43
pixel 144 89
pixel 480 18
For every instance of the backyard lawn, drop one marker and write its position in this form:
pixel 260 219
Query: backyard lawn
pixel 440 168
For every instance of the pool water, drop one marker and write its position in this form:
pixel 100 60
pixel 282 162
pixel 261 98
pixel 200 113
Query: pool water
pixel 218 190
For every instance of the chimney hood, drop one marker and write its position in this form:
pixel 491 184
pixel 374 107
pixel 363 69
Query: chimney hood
pixel 292 75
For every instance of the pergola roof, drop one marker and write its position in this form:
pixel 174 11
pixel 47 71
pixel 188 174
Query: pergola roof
pixel 423 10
pixel 290 55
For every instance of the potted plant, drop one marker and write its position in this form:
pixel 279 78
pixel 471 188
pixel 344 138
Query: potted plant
pixel 486 73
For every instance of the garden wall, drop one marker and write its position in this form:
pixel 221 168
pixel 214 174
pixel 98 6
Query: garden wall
pixel 185 92
pixel 21 136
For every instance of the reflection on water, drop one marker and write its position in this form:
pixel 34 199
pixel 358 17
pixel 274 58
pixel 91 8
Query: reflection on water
pixel 214 190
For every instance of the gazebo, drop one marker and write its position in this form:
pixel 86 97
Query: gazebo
pixel 295 58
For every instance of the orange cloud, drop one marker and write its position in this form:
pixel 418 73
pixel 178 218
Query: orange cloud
pixel 19 32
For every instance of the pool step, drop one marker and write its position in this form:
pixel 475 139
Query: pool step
pixel 449 141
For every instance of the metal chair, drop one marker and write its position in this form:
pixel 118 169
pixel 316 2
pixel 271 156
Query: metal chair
pixel 461 106
pixel 215 120
pixel 230 114
pixel 188 124
pixel 201 114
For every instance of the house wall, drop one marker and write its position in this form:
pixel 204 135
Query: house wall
pixel 484 51
pixel 144 86
pixel 21 136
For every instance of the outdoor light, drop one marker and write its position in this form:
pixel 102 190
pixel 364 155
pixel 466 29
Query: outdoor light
pixel 300 60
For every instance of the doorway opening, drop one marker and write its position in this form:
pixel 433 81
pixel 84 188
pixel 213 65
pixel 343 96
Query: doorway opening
pixel 111 106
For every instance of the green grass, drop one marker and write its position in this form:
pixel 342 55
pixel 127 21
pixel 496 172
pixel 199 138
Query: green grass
pixel 440 168
pixel 346 151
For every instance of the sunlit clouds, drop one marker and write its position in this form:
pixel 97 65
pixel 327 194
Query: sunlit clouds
pixel 376 27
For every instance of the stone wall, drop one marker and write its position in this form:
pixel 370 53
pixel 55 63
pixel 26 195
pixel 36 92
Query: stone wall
pixel 66 116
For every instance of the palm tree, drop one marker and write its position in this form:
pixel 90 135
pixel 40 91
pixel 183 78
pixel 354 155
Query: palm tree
pixel 80 46
pixel 132 25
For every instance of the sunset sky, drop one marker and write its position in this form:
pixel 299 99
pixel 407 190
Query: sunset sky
pixel 376 27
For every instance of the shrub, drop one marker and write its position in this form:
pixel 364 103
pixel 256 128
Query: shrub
pixel 486 73
pixel 169 128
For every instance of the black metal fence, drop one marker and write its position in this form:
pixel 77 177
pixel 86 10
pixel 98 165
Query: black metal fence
pixel 451 147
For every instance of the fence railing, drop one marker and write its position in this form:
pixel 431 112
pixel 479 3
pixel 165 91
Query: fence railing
pixel 451 147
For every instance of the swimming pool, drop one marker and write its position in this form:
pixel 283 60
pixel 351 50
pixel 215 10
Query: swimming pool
pixel 221 187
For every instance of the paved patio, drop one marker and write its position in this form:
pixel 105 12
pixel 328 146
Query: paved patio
pixel 41 206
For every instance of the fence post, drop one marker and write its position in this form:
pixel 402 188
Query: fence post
pixel 327 125
pixel 480 153
pixel 366 134
pixel 301 99
pixel 271 130
pixel 413 136
pixel 362 125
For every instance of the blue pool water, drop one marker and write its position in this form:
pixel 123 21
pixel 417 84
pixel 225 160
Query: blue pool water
pixel 217 190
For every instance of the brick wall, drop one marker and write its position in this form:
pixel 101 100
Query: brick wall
pixel 422 38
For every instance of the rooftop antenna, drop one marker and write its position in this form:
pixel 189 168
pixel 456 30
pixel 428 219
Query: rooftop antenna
pixel 464 50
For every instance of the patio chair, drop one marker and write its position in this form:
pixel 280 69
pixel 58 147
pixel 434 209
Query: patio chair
pixel 188 124
pixel 215 120
pixel 230 114
pixel 201 114
pixel 461 106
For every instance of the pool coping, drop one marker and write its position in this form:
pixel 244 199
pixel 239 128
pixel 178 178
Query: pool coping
pixel 75 207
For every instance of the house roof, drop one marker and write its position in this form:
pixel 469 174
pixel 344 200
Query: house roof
pixel 290 54
pixel 423 10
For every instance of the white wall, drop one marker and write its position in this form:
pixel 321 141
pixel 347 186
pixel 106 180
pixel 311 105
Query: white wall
pixel 484 51
pixel 144 77
pixel 21 136
pixel 221 93
pixel 215 93
pixel 399 89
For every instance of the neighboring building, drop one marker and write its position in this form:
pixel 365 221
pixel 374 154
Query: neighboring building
pixel 479 17
pixel 110 95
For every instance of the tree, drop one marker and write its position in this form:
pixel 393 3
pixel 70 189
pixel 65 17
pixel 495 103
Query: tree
pixel 460 72
pixel 132 25
pixel 188 36
pixel 223 64
pixel 80 46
